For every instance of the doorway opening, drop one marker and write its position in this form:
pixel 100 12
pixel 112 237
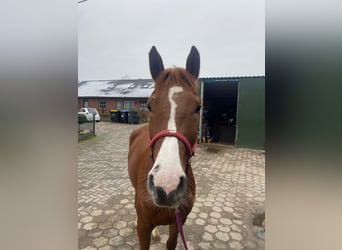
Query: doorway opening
pixel 219 111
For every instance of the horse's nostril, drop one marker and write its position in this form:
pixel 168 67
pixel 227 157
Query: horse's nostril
pixel 150 182
pixel 182 180
pixel 162 196
pixel 150 178
pixel 156 169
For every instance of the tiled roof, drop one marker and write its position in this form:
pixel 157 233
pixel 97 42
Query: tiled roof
pixel 116 88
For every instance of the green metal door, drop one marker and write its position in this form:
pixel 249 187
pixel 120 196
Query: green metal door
pixel 251 113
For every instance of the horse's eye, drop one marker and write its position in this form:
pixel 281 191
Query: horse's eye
pixel 198 108
pixel 149 107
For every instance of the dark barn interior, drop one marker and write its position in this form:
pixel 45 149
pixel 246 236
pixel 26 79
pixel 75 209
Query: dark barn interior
pixel 220 108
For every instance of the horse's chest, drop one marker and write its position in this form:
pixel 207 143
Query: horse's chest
pixel 163 218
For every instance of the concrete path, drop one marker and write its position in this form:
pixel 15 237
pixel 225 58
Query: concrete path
pixel 230 194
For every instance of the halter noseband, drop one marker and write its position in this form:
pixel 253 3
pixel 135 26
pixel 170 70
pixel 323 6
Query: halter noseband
pixel 167 133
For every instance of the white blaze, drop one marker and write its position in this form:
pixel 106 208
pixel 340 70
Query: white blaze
pixel 171 125
pixel 170 167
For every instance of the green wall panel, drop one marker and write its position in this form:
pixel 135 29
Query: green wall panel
pixel 251 113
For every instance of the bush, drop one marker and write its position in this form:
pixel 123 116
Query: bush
pixel 82 118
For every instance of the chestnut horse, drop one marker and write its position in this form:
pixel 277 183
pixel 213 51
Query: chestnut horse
pixel 159 155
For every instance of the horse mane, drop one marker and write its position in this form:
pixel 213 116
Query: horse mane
pixel 178 76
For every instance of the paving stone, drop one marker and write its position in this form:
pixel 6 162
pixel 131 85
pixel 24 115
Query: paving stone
pixel 116 241
pixel 96 233
pixel 228 209
pixel 204 245
pixel 132 241
pixel 106 248
pixel 195 210
pixel 235 228
pixel 86 219
pixel 223 228
pixel 210 199
pixel 110 233
pixel 208 203
pixel 189 222
pixel 215 215
pixel 222 236
pixel 124 201
pixel 207 237
pixel 225 221
pixel 129 206
pixel 120 224
pixel 211 228
pixel 200 221
pixel 100 242
pixel 122 212
pixel 237 215
pixel 90 226
pixel 203 215
pixel 100 218
pixel 220 245
pixel 114 218
pixel 96 212
pixel 200 199
pixel 83 213
pixel 192 215
pixel 239 222
pixel 236 236
pixel 105 225
pixel 212 221
pixel 125 232
pixel 132 224
pixel 218 204
pixel 235 245
pixel 109 212
pixel 218 209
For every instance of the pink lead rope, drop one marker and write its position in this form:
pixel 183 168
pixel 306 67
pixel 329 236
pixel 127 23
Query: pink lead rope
pixel 180 228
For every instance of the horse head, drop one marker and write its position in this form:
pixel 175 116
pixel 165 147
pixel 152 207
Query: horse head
pixel 174 113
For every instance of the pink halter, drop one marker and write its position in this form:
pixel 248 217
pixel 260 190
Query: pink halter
pixel 164 133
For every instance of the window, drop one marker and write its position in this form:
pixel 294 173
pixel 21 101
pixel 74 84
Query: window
pixel 118 105
pixel 102 104
pixel 85 103
pixel 128 105
pixel 142 106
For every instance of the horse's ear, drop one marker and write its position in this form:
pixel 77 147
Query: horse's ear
pixel 193 62
pixel 156 63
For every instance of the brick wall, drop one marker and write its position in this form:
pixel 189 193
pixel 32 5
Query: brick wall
pixel 110 103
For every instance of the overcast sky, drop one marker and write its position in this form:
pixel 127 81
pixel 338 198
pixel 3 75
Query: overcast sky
pixel 114 37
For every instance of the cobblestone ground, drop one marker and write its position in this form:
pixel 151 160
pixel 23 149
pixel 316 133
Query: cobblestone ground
pixel 230 193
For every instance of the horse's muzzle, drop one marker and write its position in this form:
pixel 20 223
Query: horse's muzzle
pixel 161 198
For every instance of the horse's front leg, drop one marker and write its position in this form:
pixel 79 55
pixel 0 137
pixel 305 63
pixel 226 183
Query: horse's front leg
pixel 144 234
pixel 173 235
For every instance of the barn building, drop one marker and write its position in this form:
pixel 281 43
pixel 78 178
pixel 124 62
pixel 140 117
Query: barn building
pixel 233 107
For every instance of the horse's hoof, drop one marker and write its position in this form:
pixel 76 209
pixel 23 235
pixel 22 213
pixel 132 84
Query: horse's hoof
pixel 155 234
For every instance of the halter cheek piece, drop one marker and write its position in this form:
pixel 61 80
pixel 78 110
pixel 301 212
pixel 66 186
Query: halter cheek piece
pixel 167 133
